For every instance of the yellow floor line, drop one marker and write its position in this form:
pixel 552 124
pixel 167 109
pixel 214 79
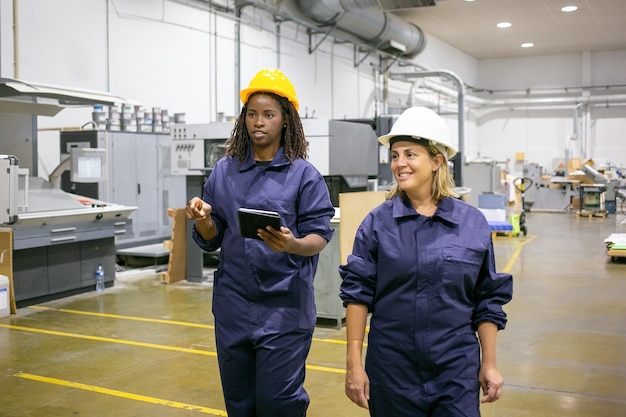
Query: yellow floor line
pixel 117 316
pixel 110 340
pixel 150 320
pixel 518 251
pixel 121 394
pixel 148 345
pixel 326 369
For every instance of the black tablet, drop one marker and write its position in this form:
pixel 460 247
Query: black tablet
pixel 250 220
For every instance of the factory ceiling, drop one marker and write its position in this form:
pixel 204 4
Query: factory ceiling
pixel 597 25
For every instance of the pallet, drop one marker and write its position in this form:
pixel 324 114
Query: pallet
pixel 592 214
pixel 502 233
pixel 615 254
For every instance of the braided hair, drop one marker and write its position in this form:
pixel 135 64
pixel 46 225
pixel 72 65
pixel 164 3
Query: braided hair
pixel 292 137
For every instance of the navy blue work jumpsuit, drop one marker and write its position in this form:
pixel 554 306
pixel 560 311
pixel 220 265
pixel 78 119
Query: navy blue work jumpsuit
pixel 263 301
pixel 428 282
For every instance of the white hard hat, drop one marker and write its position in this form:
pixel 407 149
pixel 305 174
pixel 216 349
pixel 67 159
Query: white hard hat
pixel 422 123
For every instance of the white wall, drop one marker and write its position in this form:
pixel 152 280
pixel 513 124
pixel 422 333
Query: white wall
pixel 178 57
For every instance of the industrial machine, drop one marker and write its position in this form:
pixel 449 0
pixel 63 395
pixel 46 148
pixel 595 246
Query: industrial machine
pixel 9 184
pixel 610 188
pixel 58 238
pixel 548 193
pixel 330 141
pixel 196 148
pixel 129 168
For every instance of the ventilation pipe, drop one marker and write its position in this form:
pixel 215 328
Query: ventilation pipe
pixel 564 102
pixel 366 20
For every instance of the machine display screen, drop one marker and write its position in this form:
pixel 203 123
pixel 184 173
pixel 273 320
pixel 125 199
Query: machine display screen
pixel 214 149
pixel 88 165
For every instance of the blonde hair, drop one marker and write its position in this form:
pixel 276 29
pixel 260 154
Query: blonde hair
pixel 443 182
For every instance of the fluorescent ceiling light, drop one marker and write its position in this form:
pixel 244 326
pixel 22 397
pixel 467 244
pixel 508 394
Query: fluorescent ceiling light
pixel 503 25
pixel 567 9
pixel 527 45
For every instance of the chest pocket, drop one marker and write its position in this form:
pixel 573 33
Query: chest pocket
pixel 461 267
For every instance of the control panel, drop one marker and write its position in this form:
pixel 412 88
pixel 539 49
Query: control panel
pixel 196 148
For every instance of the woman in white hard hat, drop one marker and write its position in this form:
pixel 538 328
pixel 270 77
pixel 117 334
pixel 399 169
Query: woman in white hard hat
pixel 263 298
pixel 423 266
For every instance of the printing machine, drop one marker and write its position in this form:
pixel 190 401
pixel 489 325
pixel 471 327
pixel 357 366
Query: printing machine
pixel 58 239
pixel 553 194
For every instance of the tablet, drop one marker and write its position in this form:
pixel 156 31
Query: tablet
pixel 250 220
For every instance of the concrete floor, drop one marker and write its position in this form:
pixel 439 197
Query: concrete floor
pixel 143 348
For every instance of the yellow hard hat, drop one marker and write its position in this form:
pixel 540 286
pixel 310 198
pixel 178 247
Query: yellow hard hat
pixel 271 80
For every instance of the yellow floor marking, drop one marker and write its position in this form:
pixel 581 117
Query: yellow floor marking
pixel 326 369
pixel 110 340
pixel 117 316
pixel 121 394
pixel 148 345
pixel 335 341
pixel 149 320
pixel 509 265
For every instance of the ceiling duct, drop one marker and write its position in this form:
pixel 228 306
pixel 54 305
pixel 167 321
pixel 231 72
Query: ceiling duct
pixel 366 20
pixel 405 4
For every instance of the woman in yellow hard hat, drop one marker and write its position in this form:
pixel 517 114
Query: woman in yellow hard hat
pixel 263 299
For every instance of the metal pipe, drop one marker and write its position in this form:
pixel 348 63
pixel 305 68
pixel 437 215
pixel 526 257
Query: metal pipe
pixel 278 44
pixel 107 51
pixel 575 133
pixel 16 43
pixel 366 20
pixel 237 59
pixel 565 102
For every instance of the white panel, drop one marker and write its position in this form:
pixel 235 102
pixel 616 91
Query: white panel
pixel 538 71
pixel 57 47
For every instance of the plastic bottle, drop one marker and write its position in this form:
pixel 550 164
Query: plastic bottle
pixel 99 279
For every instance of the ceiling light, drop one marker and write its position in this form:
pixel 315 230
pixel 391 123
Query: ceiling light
pixel 527 45
pixel 567 9
pixel 503 25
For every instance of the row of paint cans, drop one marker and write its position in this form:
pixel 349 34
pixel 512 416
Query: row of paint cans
pixel 132 119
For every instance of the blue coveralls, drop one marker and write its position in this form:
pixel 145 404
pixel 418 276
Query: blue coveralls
pixel 428 282
pixel 263 301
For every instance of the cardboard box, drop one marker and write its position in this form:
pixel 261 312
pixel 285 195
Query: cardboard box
pixel 574 164
pixel 584 179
